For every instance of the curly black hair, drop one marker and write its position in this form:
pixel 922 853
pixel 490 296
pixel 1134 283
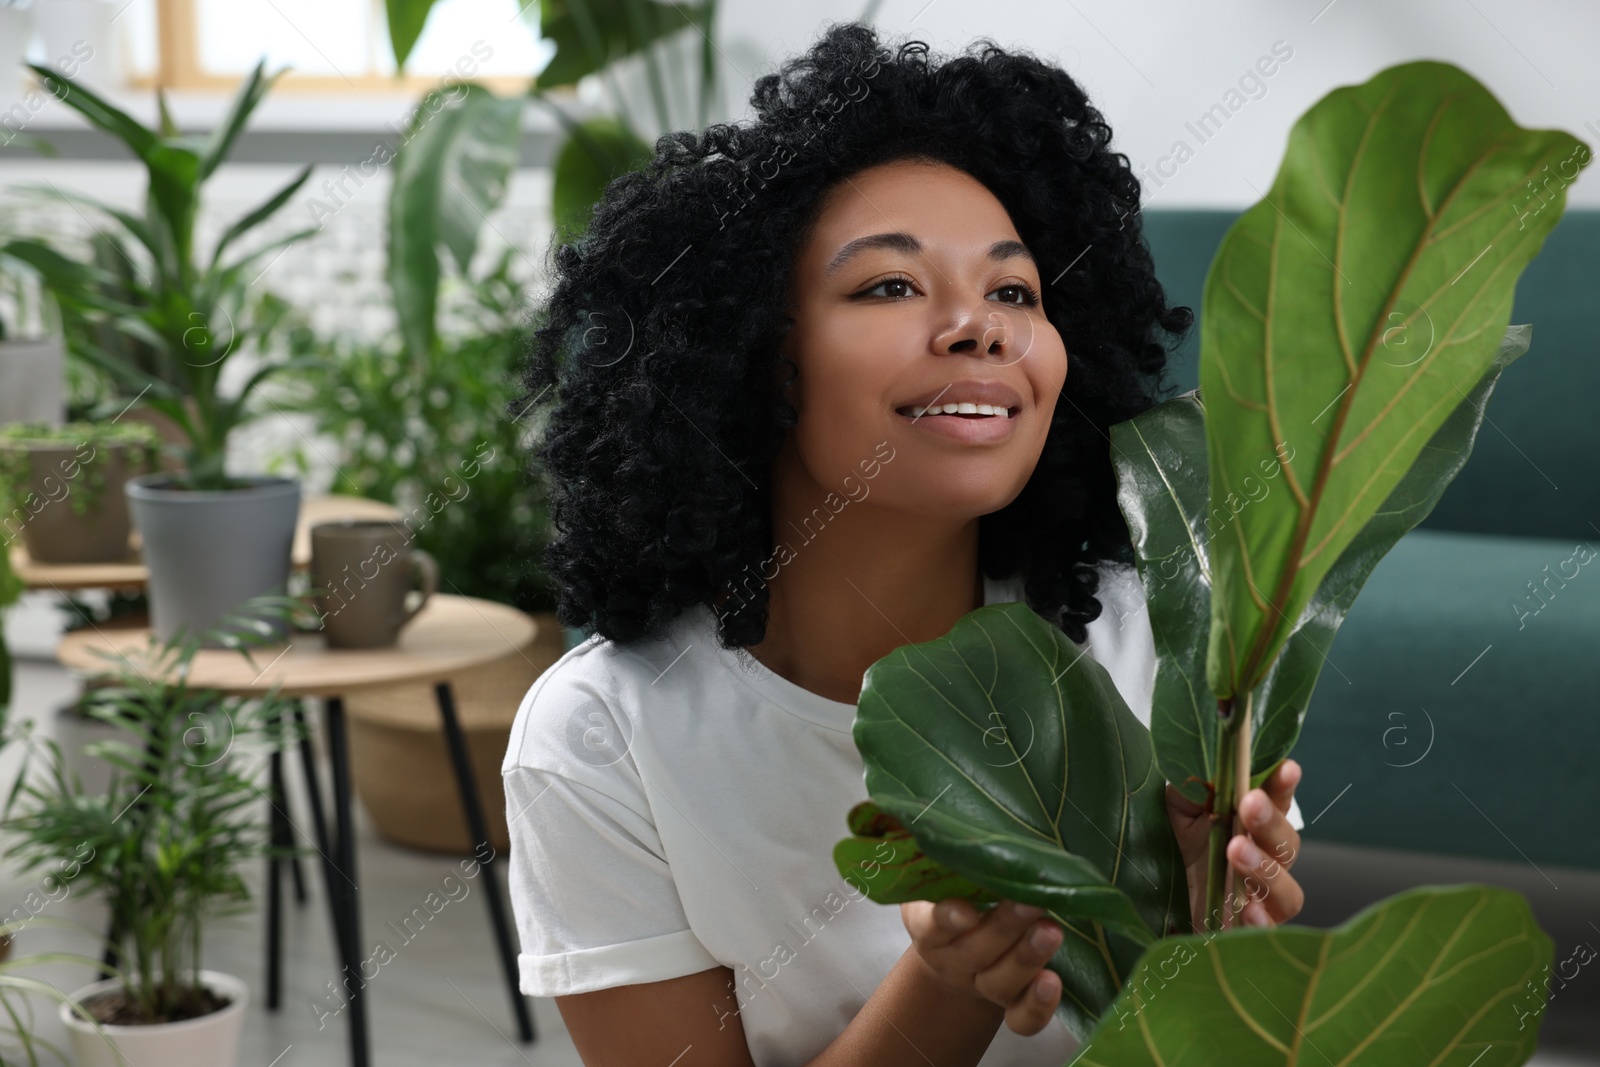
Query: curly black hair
pixel 658 350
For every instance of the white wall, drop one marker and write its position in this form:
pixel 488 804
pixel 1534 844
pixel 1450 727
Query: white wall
pixel 1152 65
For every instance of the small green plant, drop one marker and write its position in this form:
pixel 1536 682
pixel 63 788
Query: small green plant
pixel 155 316
pixel 430 434
pixel 1354 325
pixel 11 589
pixel 20 1043
pixel 165 842
pixel 82 475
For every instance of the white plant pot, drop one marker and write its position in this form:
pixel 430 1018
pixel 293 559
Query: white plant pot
pixel 31 374
pixel 16 30
pixel 209 1041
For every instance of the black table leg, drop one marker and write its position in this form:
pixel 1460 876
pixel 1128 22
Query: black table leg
pixel 296 874
pixel 479 833
pixel 319 821
pixel 349 898
pixel 277 836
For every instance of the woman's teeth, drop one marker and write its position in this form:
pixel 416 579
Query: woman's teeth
pixel 957 409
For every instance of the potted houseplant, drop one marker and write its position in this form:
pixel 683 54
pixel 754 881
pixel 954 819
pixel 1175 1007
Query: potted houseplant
pixel 62 487
pixel 1403 182
pixel 430 433
pixel 210 539
pixel 165 844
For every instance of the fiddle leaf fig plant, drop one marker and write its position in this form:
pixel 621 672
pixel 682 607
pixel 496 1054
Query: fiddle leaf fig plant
pixel 1354 325
pixel 1010 755
pixel 1164 494
pixel 1430 975
pixel 1344 318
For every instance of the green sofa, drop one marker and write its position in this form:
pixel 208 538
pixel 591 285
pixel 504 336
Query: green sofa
pixel 1460 712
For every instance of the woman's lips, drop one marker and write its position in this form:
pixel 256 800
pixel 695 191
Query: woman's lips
pixel 971 429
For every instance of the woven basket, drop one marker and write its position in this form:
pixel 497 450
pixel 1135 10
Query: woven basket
pixel 400 764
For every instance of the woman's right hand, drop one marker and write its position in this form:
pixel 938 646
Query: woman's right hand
pixel 991 955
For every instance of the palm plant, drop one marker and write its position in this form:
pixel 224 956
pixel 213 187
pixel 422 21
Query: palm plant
pixel 145 308
pixel 168 837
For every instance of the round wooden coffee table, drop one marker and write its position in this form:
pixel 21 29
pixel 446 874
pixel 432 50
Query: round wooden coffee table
pixel 449 635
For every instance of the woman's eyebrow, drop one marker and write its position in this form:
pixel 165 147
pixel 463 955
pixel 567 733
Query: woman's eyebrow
pixel 900 241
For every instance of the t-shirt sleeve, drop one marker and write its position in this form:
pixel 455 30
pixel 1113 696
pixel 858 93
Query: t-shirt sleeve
pixel 593 895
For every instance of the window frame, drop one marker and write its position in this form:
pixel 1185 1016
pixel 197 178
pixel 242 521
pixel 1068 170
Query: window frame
pixel 178 67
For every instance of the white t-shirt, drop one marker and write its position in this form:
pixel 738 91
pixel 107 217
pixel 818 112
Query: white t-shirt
pixel 673 807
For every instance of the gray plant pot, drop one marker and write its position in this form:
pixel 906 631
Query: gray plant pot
pixel 210 551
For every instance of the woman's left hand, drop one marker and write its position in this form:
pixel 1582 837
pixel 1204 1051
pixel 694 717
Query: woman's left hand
pixel 1260 862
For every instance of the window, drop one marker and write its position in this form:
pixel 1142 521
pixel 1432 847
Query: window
pixel 330 45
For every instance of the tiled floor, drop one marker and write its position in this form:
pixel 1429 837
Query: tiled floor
pixel 440 999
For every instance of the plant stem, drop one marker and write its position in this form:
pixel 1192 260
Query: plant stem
pixel 1233 781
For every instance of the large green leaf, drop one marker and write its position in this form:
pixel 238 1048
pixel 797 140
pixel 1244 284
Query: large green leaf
pixel 589 34
pixel 1436 975
pixel 595 152
pixel 1162 490
pixel 259 214
pixel 113 120
pixel 250 94
pixel 1399 206
pixel 406 19
pixel 884 860
pixel 1009 754
pixel 449 174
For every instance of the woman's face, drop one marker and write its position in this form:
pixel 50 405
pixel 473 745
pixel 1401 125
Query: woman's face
pixel 914 288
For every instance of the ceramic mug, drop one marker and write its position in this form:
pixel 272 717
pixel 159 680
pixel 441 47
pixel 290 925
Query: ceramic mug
pixel 363 571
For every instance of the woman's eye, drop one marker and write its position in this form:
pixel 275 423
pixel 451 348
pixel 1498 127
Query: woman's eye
pixel 904 283
pixel 1030 295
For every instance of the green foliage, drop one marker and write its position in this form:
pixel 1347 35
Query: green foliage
pixel 406 20
pixel 83 476
pixel 1431 975
pixel 451 170
pixel 431 434
pixel 11 589
pixel 449 173
pixel 145 309
pixel 1020 767
pixel 1395 215
pixel 596 151
pixel 20 1043
pixel 164 844
pixel 881 846
pixel 1163 495
pixel 590 34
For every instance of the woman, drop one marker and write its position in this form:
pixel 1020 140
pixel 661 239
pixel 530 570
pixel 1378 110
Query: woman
pixel 760 488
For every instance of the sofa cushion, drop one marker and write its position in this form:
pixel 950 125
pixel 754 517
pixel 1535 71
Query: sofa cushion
pixel 1531 470
pixel 1458 710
